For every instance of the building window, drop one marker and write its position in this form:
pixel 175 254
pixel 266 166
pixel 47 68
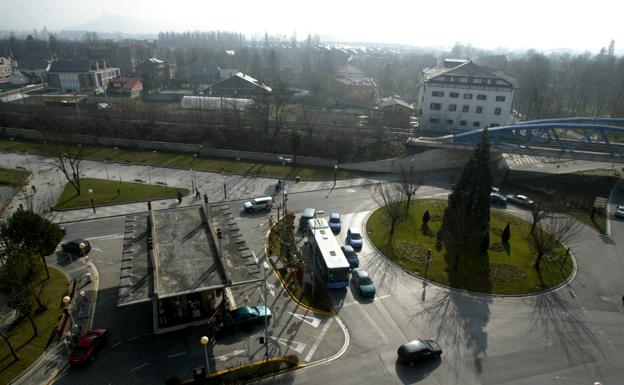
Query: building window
pixel 465 108
pixel 435 106
pixel 479 110
pixel 463 80
pixel 467 96
pixel 434 120
pixel 501 82
pixel 437 93
pixel 476 81
pixel 454 94
pixel 500 98
pixel 494 125
pixel 476 124
pixel 497 111
pixel 481 97
pixel 452 107
pixel 449 121
pixel 462 123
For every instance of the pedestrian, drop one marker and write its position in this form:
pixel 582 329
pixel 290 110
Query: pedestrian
pixel 118 192
pixel 34 189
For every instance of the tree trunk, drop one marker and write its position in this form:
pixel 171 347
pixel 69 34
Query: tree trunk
pixel 409 201
pixel 45 266
pixel 6 338
pixel 538 261
pixel 32 323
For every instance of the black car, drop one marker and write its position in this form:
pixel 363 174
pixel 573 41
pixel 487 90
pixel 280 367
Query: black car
pixel 498 200
pixel 418 350
pixel 73 247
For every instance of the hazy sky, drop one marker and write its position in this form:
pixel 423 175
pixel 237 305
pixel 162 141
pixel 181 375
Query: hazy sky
pixel 541 24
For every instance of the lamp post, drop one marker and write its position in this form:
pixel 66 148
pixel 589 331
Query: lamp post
pixel 67 301
pixel 149 175
pixel 192 181
pixel 51 197
pixel 427 261
pixel 265 268
pixel 90 191
pixel 82 246
pixel 335 173
pixel 204 341
pixel 106 168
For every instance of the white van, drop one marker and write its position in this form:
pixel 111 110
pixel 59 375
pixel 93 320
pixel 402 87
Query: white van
pixel 259 204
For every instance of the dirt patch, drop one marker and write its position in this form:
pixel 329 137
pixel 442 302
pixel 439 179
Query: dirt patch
pixel 504 273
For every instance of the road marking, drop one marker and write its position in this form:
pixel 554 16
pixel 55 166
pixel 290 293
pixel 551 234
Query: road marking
pixel 133 338
pixel 318 340
pixel 176 354
pixel 308 319
pixel 299 347
pixel 226 357
pixel 139 367
pixel 383 296
pixel 116 344
pixel 350 191
pixel 104 237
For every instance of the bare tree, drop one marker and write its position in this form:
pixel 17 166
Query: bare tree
pixel 548 229
pixel 390 197
pixel 309 118
pixel 67 159
pixel 409 180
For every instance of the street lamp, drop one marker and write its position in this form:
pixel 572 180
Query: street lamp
pixel 82 246
pixel 149 175
pixel 204 341
pixel 265 267
pixel 335 173
pixel 28 162
pixel 67 300
pixel 106 168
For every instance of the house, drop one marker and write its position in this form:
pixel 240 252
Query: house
pixel 240 86
pixel 81 75
pixel 459 95
pixel 205 73
pixel 352 87
pixel 395 112
pixel 33 69
pixel 6 69
pixel 125 87
pixel 225 73
pixel 156 69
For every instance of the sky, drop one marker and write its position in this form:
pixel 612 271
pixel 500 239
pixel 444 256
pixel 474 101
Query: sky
pixel 539 24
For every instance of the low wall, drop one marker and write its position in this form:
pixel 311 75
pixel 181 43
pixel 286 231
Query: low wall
pixel 433 159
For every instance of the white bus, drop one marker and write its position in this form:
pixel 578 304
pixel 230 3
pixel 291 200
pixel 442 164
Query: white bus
pixel 332 264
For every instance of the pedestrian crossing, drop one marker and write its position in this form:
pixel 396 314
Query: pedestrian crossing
pixel 515 160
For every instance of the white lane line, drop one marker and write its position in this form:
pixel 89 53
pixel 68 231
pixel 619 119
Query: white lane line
pixel 315 322
pixel 116 344
pixel 133 338
pixel 318 340
pixel 176 354
pixel 383 296
pixel 104 237
pixel 139 367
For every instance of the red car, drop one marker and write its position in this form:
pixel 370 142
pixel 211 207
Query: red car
pixel 88 345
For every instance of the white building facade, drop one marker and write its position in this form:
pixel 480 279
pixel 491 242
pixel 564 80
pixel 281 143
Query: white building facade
pixel 459 95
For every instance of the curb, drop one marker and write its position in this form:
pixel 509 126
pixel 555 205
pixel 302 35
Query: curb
pixel 472 293
pixel 61 210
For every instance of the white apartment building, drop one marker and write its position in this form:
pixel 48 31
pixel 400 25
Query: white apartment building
pixel 459 95
pixel 81 75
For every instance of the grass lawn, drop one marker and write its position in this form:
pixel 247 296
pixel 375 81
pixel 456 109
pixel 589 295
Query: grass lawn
pixel 499 271
pixel 575 193
pixel 27 347
pixel 105 192
pixel 15 178
pixel 187 161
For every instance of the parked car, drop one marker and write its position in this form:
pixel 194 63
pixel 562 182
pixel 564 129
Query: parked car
pixel 418 350
pixel 520 200
pixel 73 246
pixel 619 211
pixel 363 282
pixel 242 316
pixel 334 223
pixel 498 200
pixel 259 204
pixel 351 256
pixel 495 190
pixel 354 238
pixel 88 345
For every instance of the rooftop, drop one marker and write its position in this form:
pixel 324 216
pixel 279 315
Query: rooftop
pixel 464 68
pixel 184 261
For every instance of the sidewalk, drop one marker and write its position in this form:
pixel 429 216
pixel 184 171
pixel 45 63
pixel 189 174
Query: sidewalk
pixel 55 359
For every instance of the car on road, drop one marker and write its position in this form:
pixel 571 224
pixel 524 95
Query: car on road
pixel 351 256
pixel 363 282
pixel 418 350
pixel 88 345
pixel 354 238
pixel 497 199
pixel 242 316
pixel 619 211
pixel 73 246
pixel 259 204
pixel 520 200
pixel 334 223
